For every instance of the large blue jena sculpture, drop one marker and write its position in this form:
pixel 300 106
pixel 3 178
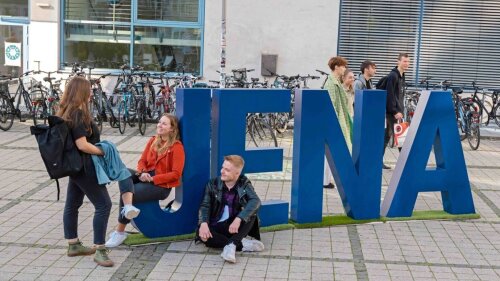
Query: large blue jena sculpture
pixel 213 125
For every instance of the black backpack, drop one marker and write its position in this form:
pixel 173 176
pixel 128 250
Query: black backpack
pixel 382 83
pixel 58 149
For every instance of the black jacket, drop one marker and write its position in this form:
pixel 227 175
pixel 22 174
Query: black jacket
pixel 212 206
pixel 395 92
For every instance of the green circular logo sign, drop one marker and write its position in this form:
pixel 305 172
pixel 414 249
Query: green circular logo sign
pixel 12 52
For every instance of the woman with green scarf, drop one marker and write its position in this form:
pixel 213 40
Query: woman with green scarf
pixel 339 100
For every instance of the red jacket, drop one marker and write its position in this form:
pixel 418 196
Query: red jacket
pixel 168 166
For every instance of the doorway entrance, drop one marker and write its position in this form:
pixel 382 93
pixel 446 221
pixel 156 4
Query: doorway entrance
pixel 13 49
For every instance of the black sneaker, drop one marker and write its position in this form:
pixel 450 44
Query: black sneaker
pixel 329 186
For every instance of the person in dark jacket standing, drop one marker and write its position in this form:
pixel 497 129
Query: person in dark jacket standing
pixel 395 95
pixel 228 212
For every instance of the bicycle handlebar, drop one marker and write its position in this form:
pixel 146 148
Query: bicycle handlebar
pixel 321 72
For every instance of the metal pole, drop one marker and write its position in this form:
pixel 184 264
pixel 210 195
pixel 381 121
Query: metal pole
pixel 223 47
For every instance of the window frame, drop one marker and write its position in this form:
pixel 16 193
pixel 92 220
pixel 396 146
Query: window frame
pixel 134 22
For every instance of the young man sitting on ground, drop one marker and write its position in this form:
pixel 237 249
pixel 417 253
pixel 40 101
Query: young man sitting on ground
pixel 228 212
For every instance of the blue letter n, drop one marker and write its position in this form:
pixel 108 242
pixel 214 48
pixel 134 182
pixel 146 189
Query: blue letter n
pixel 317 131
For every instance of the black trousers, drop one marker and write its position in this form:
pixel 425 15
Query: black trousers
pixel 389 129
pixel 79 186
pixel 221 236
pixel 143 192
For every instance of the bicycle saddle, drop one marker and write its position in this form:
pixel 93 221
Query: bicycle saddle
pixel 467 101
pixel 457 90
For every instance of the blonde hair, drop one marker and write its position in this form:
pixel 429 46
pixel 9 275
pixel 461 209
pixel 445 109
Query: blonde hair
pixel 349 88
pixel 236 160
pixel 172 137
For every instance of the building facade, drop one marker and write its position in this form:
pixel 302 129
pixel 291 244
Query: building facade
pixel 172 35
pixel 452 40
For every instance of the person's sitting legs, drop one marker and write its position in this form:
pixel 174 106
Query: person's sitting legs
pixel 144 191
pixel 127 193
pixel 225 235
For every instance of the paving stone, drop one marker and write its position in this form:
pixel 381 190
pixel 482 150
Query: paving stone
pixel 32 246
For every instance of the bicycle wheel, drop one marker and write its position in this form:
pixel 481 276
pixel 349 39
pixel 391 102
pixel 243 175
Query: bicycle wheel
pixel 113 121
pixel 267 127
pixel 141 117
pixel 6 113
pixel 281 122
pixel 54 106
pixel 497 114
pixel 265 133
pixel 483 114
pixel 40 113
pixel 122 117
pixel 132 110
pixel 473 132
pixel 252 130
pixel 96 115
pixel 171 104
pixel 461 129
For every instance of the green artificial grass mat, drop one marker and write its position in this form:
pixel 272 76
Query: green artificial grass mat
pixel 139 239
pixel 416 215
pixel 135 239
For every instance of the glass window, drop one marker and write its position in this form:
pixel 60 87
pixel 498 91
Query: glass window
pixel 11 34
pixel 168 48
pixel 109 47
pixel 98 10
pixel 14 8
pixel 168 10
pixel 166 34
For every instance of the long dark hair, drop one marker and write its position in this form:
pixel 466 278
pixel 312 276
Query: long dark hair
pixel 75 98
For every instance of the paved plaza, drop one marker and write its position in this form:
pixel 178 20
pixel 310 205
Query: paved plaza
pixel 32 246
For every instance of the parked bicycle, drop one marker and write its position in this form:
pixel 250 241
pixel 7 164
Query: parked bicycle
pixel 45 99
pixel 127 108
pixel 487 110
pixel 467 118
pixel 8 111
pixel 260 130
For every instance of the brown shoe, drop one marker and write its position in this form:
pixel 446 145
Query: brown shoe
pixel 77 249
pixel 101 257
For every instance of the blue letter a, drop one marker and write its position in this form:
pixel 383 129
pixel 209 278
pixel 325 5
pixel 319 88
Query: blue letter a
pixel 434 123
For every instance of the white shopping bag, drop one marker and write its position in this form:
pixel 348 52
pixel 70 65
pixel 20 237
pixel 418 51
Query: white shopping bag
pixel 400 132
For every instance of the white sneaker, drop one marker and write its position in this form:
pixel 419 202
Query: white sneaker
pixel 115 239
pixel 252 245
pixel 130 212
pixel 229 253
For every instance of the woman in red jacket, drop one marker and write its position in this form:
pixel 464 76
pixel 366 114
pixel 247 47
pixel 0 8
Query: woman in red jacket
pixel 158 171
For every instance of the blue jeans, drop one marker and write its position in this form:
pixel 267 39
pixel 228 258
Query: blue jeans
pixel 85 184
pixel 143 192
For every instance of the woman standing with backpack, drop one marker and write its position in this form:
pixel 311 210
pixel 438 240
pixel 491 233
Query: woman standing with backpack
pixel 74 111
